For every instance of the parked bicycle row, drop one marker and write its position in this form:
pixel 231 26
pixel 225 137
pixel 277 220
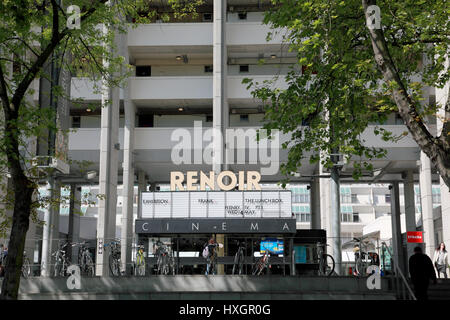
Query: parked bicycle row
pixel 169 256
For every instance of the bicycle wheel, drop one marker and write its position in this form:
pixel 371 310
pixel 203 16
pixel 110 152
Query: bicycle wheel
pixel 58 267
pixel 235 263
pixel 328 265
pixel 241 263
pixel 114 266
pixel 26 268
pixel 159 265
pixel 256 269
pixel 238 266
pixel 172 265
pixel 88 265
pixel 361 266
pixel 165 268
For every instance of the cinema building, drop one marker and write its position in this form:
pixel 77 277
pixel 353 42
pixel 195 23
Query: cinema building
pixel 188 80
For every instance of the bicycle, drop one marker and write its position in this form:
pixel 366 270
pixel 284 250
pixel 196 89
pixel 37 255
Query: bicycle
pixel 114 258
pixel 165 262
pixel 238 265
pixel 325 261
pixel 262 263
pixel 139 269
pixel 362 259
pixel 26 266
pixel 61 261
pixel 85 260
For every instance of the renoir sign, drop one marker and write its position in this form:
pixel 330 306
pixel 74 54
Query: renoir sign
pixel 217 204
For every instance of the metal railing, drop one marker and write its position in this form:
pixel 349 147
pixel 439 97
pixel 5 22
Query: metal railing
pixel 401 285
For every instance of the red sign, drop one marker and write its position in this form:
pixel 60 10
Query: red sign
pixel 414 237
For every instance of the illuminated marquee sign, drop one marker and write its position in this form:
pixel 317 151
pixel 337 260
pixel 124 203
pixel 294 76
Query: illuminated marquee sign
pixel 217 204
pixel 225 180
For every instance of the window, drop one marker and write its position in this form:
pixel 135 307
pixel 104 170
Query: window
pixel 143 71
pixel 346 196
pixel 302 213
pixel 354 198
pixel 242 15
pixel 146 120
pixel 346 213
pixel 207 17
pixel 76 122
pixel 436 195
pixel 243 118
pixel 346 217
pixel 300 195
pixel 208 69
pixel 387 198
pixel 417 193
pixel 243 68
pixel 209 118
pixel 356 217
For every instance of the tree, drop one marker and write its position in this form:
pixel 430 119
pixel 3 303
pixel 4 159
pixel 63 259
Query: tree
pixel 31 33
pixel 354 76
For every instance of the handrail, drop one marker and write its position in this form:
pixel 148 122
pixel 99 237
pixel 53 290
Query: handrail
pixel 405 282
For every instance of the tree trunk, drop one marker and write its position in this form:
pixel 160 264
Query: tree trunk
pixel 21 220
pixel 436 148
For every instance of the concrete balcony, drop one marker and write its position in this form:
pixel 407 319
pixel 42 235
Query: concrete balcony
pixel 171 34
pixel 171 88
pixel 198 34
pixel 250 33
pixel 166 88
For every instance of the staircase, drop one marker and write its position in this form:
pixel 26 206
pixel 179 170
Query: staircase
pixel 439 291
pixel 198 287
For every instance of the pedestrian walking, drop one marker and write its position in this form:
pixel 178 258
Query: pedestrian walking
pixel 422 271
pixel 440 260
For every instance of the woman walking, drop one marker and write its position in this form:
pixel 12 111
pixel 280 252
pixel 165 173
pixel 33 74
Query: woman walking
pixel 441 260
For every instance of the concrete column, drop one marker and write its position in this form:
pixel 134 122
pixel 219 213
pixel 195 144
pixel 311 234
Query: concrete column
pixel 445 212
pixel 220 98
pixel 442 96
pixel 335 218
pixel 396 227
pixel 50 237
pixel 426 199
pixel 74 221
pixel 142 187
pixel 109 152
pixel 325 202
pixel 127 233
pixel 314 198
pixel 410 209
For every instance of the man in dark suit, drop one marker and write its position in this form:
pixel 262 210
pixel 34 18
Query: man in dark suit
pixel 422 271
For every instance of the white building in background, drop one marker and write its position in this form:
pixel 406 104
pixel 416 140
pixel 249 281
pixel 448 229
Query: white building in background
pixel 192 71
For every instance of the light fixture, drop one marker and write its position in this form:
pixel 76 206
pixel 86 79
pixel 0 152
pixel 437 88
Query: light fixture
pixel 180 109
pixel 91 175
pixel 273 56
pixel 88 110
pixel 178 58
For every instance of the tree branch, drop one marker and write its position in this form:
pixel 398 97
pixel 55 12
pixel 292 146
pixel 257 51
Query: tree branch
pixel 432 146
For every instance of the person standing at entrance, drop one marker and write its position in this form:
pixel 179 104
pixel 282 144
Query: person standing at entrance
pixel 210 254
pixel 422 271
pixel 440 260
